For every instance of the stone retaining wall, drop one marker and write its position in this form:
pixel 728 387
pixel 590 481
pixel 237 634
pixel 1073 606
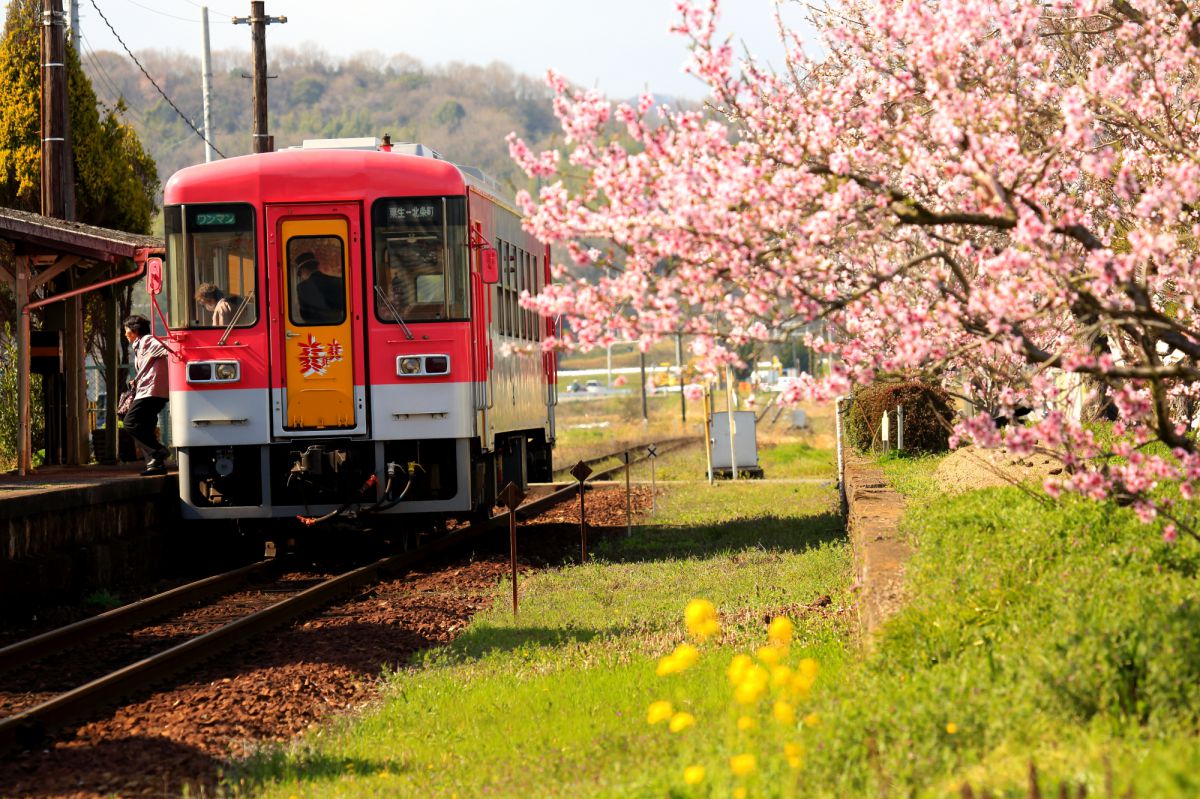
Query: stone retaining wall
pixel 60 543
pixel 873 511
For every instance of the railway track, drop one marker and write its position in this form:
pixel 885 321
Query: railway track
pixel 30 726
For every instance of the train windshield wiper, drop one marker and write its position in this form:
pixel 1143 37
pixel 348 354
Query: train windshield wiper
pixel 236 316
pixel 392 308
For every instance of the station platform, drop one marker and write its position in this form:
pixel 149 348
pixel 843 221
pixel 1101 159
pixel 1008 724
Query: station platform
pixel 66 530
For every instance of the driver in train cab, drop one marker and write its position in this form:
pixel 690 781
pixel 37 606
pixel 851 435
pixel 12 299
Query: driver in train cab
pixel 321 296
pixel 216 303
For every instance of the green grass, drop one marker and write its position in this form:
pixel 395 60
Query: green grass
pixel 1063 634
pixel 553 703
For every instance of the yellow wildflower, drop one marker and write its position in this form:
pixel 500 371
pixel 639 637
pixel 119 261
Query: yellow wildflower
pixel 686 655
pixel 738 668
pixel 753 685
pixel 681 721
pixel 780 676
pixel 951 728
pixel 700 618
pixel 739 793
pixel 779 632
pixel 794 754
pixel 771 655
pixel 746 723
pixel 806 674
pixel 743 764
pixel 784 713
pixel 812 720
pixel 682 658
pixel 659 711
pixel 693 775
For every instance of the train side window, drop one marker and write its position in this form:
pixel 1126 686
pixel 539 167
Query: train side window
pixel 501 301
pixel 508 290
pixel 519 324
pixel 531 287
pixel 514 289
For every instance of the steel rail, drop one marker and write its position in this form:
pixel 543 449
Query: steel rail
pixel 30 650
pixel 667 442
pixel 30 727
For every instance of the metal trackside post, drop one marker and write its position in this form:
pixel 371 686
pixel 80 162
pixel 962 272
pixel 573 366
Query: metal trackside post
pixel 708 440
pixel 652 453
pixel 628 458
pixel 581 472
pixel 899 428
pixel 841 451
pixel 512 497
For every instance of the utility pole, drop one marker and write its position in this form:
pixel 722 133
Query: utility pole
pixel 74 13
pixel 206 86
pixel 66 396
pixel 56 153
pixel 258 22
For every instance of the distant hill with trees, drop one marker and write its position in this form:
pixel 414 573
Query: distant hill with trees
pixel 463 111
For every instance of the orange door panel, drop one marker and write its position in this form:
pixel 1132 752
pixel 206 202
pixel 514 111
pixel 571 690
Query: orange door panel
pixel 318 346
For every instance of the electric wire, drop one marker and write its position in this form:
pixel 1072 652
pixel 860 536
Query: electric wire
pixel 172 16
pixel 110 83
pixel 210 8
pixel 129 52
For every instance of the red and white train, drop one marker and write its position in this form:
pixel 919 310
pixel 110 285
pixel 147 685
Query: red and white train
pixel 364 348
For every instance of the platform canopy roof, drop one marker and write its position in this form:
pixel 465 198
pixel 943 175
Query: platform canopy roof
pixel 39 234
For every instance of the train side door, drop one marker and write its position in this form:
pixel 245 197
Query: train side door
pixel 482 329
pixel 315 254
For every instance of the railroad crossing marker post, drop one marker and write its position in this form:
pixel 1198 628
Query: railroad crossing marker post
pixel 628 458
pixel 652 453
pixel 581 471
pixel 512 497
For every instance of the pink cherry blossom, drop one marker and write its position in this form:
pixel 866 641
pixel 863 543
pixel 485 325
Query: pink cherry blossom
pixel 1002 197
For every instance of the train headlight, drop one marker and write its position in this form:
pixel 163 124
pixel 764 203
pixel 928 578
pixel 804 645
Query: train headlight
pixel 214 372
pixel 415 365
pixel 199 373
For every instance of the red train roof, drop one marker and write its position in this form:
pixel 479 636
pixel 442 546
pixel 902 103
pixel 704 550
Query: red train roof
pixel 290 176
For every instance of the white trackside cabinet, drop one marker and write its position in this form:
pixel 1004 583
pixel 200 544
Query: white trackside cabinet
pixel 745 445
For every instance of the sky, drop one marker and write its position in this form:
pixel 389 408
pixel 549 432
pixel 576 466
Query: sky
pixel 621 47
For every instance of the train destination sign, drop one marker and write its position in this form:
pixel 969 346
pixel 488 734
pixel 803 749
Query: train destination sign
pixel 413 212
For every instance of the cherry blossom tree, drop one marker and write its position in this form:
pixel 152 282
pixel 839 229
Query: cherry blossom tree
pixel 1000 195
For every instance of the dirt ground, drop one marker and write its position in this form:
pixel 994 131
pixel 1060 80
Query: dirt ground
pixel 970 468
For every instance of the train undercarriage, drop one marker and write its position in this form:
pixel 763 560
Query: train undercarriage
pixel 311 478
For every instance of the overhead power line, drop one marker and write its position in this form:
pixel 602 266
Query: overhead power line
pixel 171 16
pixel 171 103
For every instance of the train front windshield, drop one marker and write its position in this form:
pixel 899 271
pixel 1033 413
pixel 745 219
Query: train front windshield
pixel 210 265
pixel 420 255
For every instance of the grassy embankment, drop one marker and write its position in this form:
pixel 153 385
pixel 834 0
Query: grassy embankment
pixel 1061 634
